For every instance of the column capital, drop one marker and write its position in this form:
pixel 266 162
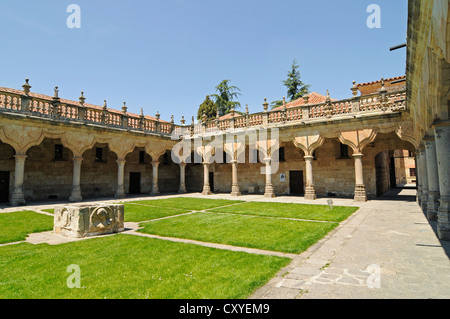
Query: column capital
pixel 77 158
pixel 155 163
pixel 358 155
pixel 308 157
pixel 121 161
pixel 20 156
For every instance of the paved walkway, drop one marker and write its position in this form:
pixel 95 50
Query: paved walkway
pixel 387 249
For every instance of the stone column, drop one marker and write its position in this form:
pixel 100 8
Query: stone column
pixel 120 178
pixel 182 189
pixel 433 179
pixel 206 185
pixel 155 188
pixel 75 196
pixel 310 192
pixel 442 135
pixel 418 179
pixel 18 197
pixel 235 185
pixel 360 191
pixel 424 180
pixel 268 192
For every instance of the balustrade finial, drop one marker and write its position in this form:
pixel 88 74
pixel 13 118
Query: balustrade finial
pixel 383 89
pixel 157 115
pixel 142 112
pixel 172 120
pixel 55 96
pixel 82 98
pixel 183 121
pixel 354 89
pixel 104 105
pixel 246 109
pixel 265 104
pixel 124 108
pixel 26 87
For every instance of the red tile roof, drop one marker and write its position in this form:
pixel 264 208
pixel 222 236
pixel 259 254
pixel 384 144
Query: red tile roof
pixel 314 98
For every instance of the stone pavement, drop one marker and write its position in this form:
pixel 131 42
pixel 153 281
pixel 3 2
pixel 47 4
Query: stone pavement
pixel 387 249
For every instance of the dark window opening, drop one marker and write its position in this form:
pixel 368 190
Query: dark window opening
pixel 58 152
pixel 141 157
pixel 343 152
pixel 281 155
pixel 99 154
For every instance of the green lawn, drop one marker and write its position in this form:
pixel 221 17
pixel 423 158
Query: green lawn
pixel 125 266
pixel 132 267
pixel 188 203
pixel 140 212
pixel 247 231
pixel 287 210
pixel 17 225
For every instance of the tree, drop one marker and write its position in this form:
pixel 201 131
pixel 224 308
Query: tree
pixel 208 107
pixel 225 96
pixel 296 88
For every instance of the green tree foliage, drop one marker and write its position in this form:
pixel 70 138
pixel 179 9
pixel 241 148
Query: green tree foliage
pixel 296 88
pixel 225 97
pixel 208 107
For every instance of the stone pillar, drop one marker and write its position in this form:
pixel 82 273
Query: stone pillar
pixel 360 191
pixel 155 188
pixel 424 180
pixel 310 192
pixel 235 185
pixel 182 189
pixel 18 197
pixel 75 196
pixel 433 179
pixel 120 193
pixel 206 185
pixel 268 192
pixel 442 135
pixel 418 179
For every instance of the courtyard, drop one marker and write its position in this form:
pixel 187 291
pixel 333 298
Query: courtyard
pixel 188 247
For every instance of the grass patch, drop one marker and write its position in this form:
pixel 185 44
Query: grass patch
pixel 50 210
pixel 16 226
pixel 287 210
pixel 188 203
pixel 139 212
pixel 273 234
pixel 132 267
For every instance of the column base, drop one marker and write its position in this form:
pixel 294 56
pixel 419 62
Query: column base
pixel 443 226
pixel 155 191
pixel 310 193
pixel 75 196
pixel 360 194
pixel 182 190
pixel 120 194
pixel 17 199
pixel 268 192
pixel 206 190
pixel 433 206
pixel 424 202
pixel 235 191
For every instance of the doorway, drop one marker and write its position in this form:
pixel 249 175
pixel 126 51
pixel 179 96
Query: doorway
pixel 296 183
pixel 135 183
pixel 211 181
pixel 4 187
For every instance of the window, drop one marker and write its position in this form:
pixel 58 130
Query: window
pixel 343 153
pixel 99 154
pixel 281 155
pixel 141 157
pixel 58 152
pixel 166 158
pixel 412 172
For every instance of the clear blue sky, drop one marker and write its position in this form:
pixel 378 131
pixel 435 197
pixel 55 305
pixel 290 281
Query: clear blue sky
pixel 168 55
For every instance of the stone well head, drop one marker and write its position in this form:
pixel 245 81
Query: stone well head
pixel 87 220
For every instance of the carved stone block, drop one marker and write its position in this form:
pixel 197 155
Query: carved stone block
pixel 80 221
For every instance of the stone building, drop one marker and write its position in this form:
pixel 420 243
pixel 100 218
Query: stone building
pixel 52 148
